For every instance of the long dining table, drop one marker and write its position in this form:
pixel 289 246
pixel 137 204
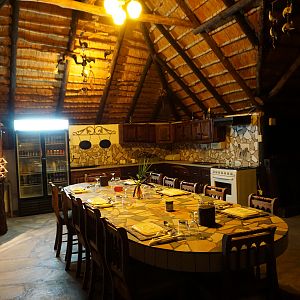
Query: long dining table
pixel 200 252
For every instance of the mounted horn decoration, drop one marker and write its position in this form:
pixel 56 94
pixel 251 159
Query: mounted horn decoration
pixel 276 22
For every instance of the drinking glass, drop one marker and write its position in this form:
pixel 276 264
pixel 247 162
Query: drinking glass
pixel 193 226
pixel 97 184
pixel 183 228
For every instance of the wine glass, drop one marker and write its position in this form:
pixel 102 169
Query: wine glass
pixel 97 184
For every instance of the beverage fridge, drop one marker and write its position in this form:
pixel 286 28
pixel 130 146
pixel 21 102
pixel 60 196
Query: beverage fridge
pixel 42 156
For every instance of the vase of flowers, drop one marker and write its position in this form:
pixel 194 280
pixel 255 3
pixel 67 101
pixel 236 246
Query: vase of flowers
pixel 141 178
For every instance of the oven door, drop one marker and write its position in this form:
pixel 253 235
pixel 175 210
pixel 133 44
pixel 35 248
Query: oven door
pixel 225 182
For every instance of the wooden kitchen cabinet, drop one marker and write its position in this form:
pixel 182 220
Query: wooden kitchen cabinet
pixel 164 133
pixel 202 131
pixel 141 133
pixel 182 131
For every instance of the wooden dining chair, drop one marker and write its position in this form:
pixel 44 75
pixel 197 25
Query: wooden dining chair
pixel 215 192
pixel 189 186
pixel 79 226
pixel 132 279
pixel 156 178
pixel 60 221
pixel 263 203
pixel 171 182
pixel 95 236
pixel 71 235
pixel 244 253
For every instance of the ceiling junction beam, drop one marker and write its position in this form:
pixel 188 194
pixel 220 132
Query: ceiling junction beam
pixel 170 94
pixel 2 2
pixel 70 48
pixel 285 77
pixel 13 60
pixel 112 70
pixel 244 24
pixel 223 59
pixel 165 66
pixel 223 17
pixel 194 68
pixel 139 88
pixel 100 11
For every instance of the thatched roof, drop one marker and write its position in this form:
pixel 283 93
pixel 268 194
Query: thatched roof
pixel 180 59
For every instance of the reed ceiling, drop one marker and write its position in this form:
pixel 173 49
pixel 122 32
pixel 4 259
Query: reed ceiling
pixel 181 59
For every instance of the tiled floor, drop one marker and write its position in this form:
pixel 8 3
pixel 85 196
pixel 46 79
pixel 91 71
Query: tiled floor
pixel 29 269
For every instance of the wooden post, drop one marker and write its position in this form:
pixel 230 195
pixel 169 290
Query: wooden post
pixel 3 225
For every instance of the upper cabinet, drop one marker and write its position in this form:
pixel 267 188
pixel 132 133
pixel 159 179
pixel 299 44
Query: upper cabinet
pixel 199 131
pixel 164 133
pixel 141 133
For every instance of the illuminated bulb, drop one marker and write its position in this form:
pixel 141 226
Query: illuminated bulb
pixel 134 9
pixel 111 5
pixel 119 16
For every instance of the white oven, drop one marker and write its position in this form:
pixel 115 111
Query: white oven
pixel 239 183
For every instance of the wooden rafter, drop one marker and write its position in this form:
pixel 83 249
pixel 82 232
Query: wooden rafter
pixel 112 70
pixel 241 20
pixel 285 77
pixel 70 47
pixel 261 47
pixel 194 68
pixel 2 2
pixel 100 11
pixel 139 88
pixel 170 71
pixel 223 17
pixel 13 59
pixel 223 59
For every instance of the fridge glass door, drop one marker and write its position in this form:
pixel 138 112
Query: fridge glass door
pixel 29 155
pixel 56 153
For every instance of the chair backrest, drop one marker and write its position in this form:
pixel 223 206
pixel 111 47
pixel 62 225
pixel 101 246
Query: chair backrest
pixel 78 219
pixel 264 203
pixel 66 207
pixel 156 178
pixel 117 257
pixel 245 250
pixel 215 192
pixel 55 201
pixel 95 233
pixel 171 182
pixel 92 177
pixel 189 186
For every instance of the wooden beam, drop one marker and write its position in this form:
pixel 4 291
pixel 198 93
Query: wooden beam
pixel 223 59
pixel 245 26
pixel 285 77
pixel 139 88
pixel 112 70
pixel 13 60
pixel 194 68
pixel 171 71
pixel 2 2
pixel 70 48
pixel 223 17
pixel 261 46
pixel 100 11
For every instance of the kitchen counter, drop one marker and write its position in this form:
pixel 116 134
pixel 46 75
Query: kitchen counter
pixel 174 162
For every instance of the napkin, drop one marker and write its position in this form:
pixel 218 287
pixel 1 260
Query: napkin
pixel 173 192
pixel 78 190
pixel 129 182
pixel 147 228
pixel 241 212
pixel 163 240
pixel 100 202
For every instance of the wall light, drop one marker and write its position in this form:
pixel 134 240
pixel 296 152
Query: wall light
pixel 116 9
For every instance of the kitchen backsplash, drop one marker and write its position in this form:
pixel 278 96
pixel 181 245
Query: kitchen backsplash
pixel 239 149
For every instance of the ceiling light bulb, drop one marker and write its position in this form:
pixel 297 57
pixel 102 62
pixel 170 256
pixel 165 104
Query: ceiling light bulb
pixel 119 16
pixel 111 5
pixel 134 9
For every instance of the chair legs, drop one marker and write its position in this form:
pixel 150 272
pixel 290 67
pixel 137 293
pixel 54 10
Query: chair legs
pixel 87 271
pixel 69 251
pixel 58 238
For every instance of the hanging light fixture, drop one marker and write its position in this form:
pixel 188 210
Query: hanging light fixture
pixel 118 13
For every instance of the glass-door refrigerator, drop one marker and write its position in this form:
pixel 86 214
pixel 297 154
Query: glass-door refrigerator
pixel 42 156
